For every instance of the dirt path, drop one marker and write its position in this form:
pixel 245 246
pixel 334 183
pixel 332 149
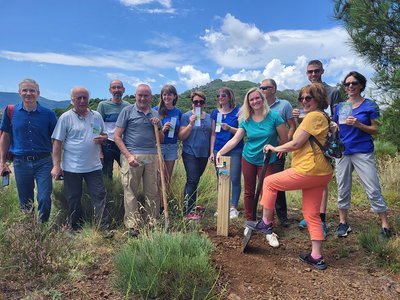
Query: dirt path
pixel 268 273
pixel 262 273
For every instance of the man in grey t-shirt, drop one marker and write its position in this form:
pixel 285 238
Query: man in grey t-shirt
pixel 135 137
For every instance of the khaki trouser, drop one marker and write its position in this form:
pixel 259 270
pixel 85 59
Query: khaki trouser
pixel 135 212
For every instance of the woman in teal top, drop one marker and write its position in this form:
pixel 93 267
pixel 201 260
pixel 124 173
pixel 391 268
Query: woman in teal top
pixel 261 126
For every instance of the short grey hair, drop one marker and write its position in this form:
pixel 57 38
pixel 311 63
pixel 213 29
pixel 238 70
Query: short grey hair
pixel 27 80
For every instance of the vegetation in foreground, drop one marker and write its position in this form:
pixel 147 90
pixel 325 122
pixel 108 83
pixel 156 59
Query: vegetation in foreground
pixel 50 257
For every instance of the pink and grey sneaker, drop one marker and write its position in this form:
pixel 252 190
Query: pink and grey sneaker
pixel 193 216
pixel 199 208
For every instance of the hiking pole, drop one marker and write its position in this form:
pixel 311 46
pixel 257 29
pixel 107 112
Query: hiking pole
pixel 163 187
pixel 248 231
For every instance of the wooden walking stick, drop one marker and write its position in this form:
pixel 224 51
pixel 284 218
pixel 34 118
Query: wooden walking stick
pixel 163 187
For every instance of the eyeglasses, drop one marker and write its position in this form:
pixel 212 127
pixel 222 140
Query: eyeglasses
pixel 115 87
pixel 222 95
pixel 199 102
pixel 353 83
pixel 316 71
pixel 266 87
pixel 307 98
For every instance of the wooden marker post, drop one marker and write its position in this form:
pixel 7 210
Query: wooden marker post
pixel 224 191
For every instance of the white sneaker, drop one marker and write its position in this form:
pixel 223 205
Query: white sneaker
pixel 272 239
pixel 233 213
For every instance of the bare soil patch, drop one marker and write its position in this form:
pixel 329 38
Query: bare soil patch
pixel 261 273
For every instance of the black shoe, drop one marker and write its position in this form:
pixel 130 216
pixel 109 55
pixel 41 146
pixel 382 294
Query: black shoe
pixel 385 233
pixel 343 230
pixel 316 263
pixel 133 233
pixel 285 222
pixel 107 234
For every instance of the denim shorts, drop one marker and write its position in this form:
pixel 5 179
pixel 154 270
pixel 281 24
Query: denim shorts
pixel 169 151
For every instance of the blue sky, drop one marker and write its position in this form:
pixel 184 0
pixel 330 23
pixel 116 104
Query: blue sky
pixel 188 43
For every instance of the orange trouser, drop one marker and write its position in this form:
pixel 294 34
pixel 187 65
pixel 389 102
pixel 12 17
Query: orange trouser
pixel 312 188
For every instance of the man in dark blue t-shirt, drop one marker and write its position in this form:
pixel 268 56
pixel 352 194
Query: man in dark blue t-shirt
pixel 27 135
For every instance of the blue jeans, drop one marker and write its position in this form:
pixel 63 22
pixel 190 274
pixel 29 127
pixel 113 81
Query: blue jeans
pixel 26 172
pixel 236 174
pixel 73 193
pixel 194 167
pixel 111 152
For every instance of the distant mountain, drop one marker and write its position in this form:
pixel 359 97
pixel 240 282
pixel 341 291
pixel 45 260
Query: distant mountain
pixel 239 88
pixel 14 98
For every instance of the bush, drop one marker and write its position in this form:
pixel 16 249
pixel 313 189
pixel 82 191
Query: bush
pixel 166 266
pixel 384 148
pixel 39 251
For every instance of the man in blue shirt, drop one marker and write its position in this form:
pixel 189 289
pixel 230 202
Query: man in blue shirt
pixel 284 108
pixel 28 137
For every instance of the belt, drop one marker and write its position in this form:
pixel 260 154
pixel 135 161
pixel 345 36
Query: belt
pixel 32 157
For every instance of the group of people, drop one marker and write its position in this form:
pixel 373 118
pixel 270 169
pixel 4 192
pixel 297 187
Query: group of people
pixel 83 145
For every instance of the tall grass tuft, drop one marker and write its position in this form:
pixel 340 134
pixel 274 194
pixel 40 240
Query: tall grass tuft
pixel 166 266
pixel 385 252
pixel 9 203
pixel 388 170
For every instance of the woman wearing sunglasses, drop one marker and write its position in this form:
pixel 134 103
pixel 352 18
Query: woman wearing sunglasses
pixel 261 126
pixel 223 130
pixel 195 133
pixel 356 133
pixel 310 171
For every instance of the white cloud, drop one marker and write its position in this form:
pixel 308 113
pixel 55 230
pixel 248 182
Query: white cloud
pixel 241 45
pixel 126 60
pixel 166 6
pixel 192 77
pixel 292 76
pixel 132 81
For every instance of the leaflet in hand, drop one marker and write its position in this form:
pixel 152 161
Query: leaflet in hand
pixel 171 130
pixel 345 110
pixel 197 110
pixel 96 127
pixel 218 123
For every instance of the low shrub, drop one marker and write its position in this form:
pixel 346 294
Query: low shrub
pixel 39 251
pixel 384 148
pixel 166 266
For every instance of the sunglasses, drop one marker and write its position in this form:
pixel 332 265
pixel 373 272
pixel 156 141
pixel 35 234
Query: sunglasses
pixel 316 71
pixel 197 102
pixel 222 95
pixel 266 87
pixel 307 98
pixel 353 83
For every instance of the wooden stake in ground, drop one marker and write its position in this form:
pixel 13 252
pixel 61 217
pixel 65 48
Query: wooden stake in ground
pixel 224 195
pixel 163 186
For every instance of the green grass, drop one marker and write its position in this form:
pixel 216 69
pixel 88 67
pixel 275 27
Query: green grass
pixel 166 266
pixel 385 252
pixel 158 255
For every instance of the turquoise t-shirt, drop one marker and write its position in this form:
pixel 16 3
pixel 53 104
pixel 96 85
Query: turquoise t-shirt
pixel 259 134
